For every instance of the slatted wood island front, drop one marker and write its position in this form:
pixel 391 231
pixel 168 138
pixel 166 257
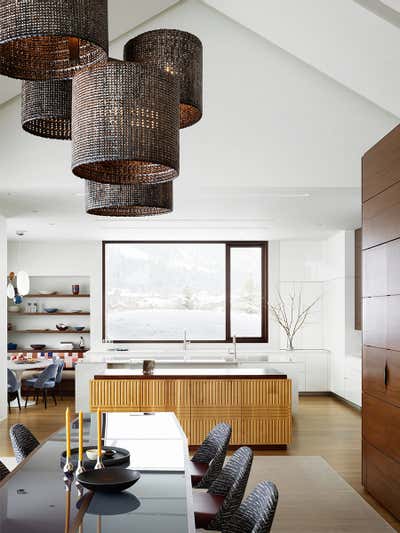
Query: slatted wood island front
pixel 256 402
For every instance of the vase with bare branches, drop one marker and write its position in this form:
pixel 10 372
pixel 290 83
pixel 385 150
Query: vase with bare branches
pixel 291 314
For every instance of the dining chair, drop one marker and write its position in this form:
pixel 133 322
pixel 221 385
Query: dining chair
pixel 23 441
pixel 215 508
pixel 44 382
pixel 12 389
pixel 59 376
pixel 3 471
pixel 208 460
pixel 256 513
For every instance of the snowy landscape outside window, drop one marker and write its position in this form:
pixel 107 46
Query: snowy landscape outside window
pixel 156 291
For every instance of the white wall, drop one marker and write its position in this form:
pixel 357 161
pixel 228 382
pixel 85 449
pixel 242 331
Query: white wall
pixel 3 318
pixel 301 272
pixel 340 337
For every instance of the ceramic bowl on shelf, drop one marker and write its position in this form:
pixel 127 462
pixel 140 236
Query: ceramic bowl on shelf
pixel 12 346
pixel 38 346
pixel 76 311
pixel 14 308
pixel 51 309
pixel 62 327
pixel 79 328
pixel 47 293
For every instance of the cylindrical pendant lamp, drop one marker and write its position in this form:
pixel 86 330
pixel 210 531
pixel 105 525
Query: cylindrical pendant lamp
pixel 181 54
pixel 46 108
pixel 128 200
pixel 51 39
pixel 125 124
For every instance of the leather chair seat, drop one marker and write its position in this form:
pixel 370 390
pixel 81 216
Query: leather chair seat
pixel 206 506
pixel 197 471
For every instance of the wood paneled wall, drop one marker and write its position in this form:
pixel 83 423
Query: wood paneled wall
pixel 381 321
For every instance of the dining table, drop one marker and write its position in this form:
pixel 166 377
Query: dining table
pixel 19 367
pixel 34 496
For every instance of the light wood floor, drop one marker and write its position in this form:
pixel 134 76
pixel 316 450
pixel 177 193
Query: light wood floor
pixel 323 426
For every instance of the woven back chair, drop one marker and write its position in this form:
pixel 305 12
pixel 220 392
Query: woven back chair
pixel 3 471
pixel 23 441
pixel 231 484
pixel 256 513
pixel 213 452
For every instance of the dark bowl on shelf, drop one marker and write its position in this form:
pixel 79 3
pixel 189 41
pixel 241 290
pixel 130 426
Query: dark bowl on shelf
pixel 12 346
pixel 38 346
pixel 114 479
pixel 51 309
pixel 62 327
pixel 79 328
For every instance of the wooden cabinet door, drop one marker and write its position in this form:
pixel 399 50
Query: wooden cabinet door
pixel 381 374
pixel 266 411
pixel 165 395
pixel 382 322
pixel 381 426
pixel 115 394
pixel 382 478
pixel 381 275
pixel 381 218
pixel 214 401
pixel 381 165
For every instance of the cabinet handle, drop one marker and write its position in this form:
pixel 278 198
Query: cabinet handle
pixel 386 375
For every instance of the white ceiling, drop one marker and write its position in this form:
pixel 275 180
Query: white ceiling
pixel 277 154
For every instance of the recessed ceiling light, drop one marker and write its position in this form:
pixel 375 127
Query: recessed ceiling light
pixel 20 232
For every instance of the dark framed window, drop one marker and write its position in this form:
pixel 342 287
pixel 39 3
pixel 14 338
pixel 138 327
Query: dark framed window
pixel 206 291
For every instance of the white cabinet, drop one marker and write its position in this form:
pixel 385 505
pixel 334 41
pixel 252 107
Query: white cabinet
pixel 352 379
pixel 316 370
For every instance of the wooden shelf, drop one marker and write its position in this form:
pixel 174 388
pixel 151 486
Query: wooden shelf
pixel 57 295
pixel 49 314
pixel 46 350
pixel 48 331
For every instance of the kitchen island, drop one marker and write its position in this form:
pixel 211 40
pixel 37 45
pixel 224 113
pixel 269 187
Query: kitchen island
pixel 255 401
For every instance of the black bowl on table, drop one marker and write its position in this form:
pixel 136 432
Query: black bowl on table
pixel 108 480
pixel 112 456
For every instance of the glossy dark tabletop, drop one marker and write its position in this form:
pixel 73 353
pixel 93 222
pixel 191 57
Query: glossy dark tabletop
pixel 34 499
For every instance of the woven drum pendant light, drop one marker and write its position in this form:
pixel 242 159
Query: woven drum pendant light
pixel 179 53
pixel 51 39
pixel 46 108
pixel 125 124
pixel 128 200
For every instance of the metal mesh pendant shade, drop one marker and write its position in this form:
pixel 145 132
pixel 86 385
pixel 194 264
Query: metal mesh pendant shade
pixel 128 200
pixel 179 53
pixel 125 124
pixel 46 108
pixel 51 39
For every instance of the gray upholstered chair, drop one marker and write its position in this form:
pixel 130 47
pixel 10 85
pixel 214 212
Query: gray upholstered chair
pixel 12 389
pixel 46 381
pixel 209 458
pixel 23 441
pixel 3 471
pixel 256 513
pixel 215 508
pixel 59 376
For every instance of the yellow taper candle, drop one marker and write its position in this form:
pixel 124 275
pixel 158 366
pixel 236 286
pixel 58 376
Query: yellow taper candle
pixel 68 432
pixel 98 433
pixel 80 436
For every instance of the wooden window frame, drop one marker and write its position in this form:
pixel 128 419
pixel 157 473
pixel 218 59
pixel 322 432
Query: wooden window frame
pixel 263 245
